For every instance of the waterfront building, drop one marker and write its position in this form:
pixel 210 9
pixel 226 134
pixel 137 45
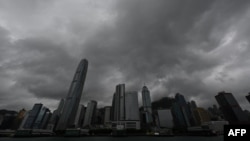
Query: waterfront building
pixel 32 116
pixel 72 100
pixel 147 106
pixel 99 118
pixel 18 120
pixel 107 116
pixel 120 91
pixel 79 116
pixel 191 109
pixel 193 104
pixel 55 115
pixel 132 106
pixel 132 117
pixel 24 119
pixel 7 119
pixel 82 115
pixel 231 108
pixel 114 108
pixel 125 109
pixel 45 120
pixel 60 106
pixel 165 118
pixel 118 103
pixel 40 118
pixel 89 118
pixel 183 108
pixel 201 115
pixel 178 115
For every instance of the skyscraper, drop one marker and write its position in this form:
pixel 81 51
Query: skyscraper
pixel 132 106
pixel 165 118
pixel 18 120
pixel 178 116
pixel 118 104
pixel 73 98
pixel 107 115
pixel 201 115
pixel 120 90
pixel 90 113
pixel 32 116
pixel 55 116
pixel 230 108
pixel 79 116
pixel 39 120
pixel 125 110
pixel 147 106
pixel 180 111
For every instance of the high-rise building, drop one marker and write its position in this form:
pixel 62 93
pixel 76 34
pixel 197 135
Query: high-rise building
pixel 201 115
pixel 8 118
pixel 55 115
pixel 180 100
pixel 125 109
pixel 248 97
pixel 118 103
pixel 107 115
pixel 120 91
pixel 230 108
pixel 79 116
pixel 147 106
pixel 60 106
pixel 32 116
pixel 115 108
pixel 132 106
pixel 40 118
pixel 24 119
pixel 90 114
pixel 45 120
pixel 178 116
pixel 193 104
pixel 191 109
pixel 18 119
pixel 73 98
pixel 165 118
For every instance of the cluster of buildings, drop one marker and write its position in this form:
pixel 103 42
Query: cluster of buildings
pixel 179 115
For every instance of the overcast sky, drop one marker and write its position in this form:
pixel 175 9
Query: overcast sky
pixel 193 47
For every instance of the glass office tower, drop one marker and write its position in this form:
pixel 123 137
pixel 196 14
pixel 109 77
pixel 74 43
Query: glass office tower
pixel 73 98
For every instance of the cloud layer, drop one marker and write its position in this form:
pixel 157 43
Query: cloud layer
pixel 191 47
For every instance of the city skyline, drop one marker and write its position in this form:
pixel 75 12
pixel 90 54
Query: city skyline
pixel 194 48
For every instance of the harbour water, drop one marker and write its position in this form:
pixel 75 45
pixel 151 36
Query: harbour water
pixel 139 138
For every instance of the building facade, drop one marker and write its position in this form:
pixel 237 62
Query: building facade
pixel 72 100
pixel 165 118
pixel 90 114
pixel 147 106
pixel 231 108
pixel 41 118
pixel 32 116
pixel 107 116
pixel 125 109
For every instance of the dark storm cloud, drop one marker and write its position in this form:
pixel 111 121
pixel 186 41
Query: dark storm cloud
pixel 193 47
pixel 169 42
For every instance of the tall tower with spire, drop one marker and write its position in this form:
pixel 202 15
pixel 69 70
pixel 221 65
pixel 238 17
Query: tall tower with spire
pixel 73 98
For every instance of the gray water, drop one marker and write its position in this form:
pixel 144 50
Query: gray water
pixel 178 138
